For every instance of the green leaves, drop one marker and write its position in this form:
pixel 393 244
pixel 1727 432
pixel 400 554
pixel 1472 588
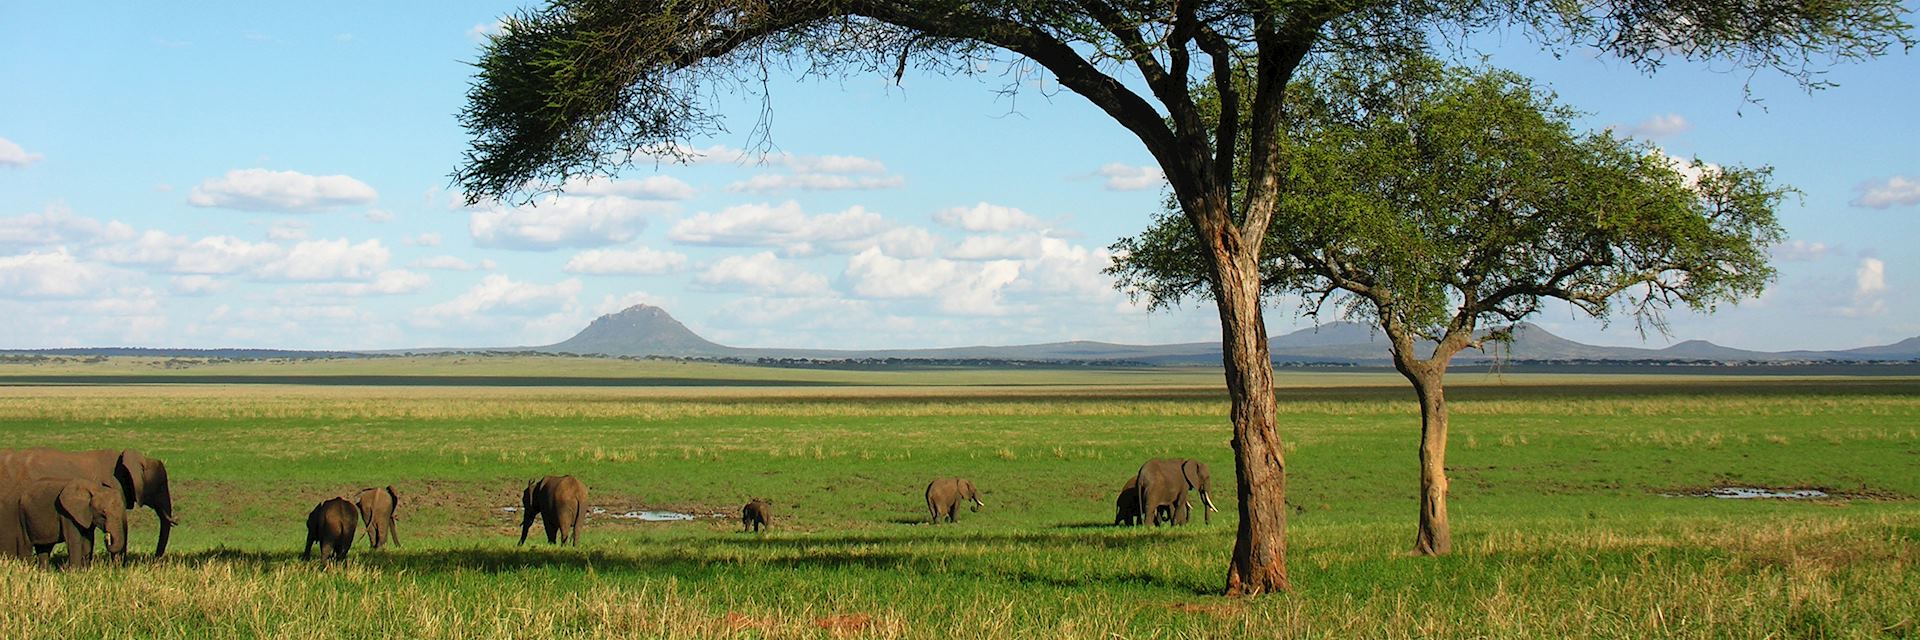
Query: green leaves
pixel 1434 198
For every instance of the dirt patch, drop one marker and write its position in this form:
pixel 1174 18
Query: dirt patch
pixel 736 622
pixel 845 624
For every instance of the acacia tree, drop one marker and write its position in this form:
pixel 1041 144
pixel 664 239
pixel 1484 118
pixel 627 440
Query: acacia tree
pixel 1433 202
pixel 586 86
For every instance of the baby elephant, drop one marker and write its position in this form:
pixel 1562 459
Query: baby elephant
pixel 944 496
pixel 560 502
pixel 1126 508
pixel 70 511
pixel 757 514
pixel 378 509
pixel 332 525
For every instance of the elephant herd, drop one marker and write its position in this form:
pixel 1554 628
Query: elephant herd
pixel 50 497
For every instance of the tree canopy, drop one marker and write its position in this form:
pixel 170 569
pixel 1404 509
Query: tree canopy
pixel 1434 199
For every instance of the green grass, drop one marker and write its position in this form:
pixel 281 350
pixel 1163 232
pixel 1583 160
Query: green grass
pixel 1561 527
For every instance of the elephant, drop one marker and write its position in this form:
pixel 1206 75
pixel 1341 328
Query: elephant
pixel 70 511
pixel 561 503
pixel 331 524
pixel 142 481
pixel 378 511
pixel 1126 508
pixel 1164 483
pixel 758 513
pixel 944 496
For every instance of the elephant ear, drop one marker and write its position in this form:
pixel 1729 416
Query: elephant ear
pixel 77 501
pixel 131 469
pixel 1194 472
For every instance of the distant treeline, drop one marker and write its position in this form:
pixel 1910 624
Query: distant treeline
pixel 209 354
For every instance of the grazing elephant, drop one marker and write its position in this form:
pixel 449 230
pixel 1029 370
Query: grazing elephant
pixel 944 496
pixel 70 511
pixel 331 524
pixel 758 513
pixel 1164 483
pixel 1126 508
pixel 142 481
pixel 561 503
pixel 378 509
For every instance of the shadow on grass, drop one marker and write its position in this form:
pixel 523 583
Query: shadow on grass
pixel 903 555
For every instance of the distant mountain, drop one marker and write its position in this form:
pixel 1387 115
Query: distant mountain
pixel 645 330
pixel 640 330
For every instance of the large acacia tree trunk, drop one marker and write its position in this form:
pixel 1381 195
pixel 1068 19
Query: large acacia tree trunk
pixel 1260 550
pixel 1435 535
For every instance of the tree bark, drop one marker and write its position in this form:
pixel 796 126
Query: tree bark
pixel 1260 550
pixel 1435 535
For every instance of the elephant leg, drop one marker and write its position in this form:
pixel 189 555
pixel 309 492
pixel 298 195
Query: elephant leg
pixel 526 523
pixel 79 545
pixel 552 523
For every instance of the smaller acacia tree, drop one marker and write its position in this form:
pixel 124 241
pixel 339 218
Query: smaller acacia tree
pixel 1444 205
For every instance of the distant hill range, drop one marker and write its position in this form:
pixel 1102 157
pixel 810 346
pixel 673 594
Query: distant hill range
pixel 649 331
pixel 645 330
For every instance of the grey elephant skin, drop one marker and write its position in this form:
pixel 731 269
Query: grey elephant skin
pixel 331 525
pixel 944 496
pixel 52 512
pixel 142 481
pixel 1164 484
pixel 560 502
pixel 1126 507
pixel 379 508
pixel 757 514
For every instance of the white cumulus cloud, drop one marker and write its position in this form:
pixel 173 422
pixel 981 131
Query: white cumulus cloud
pixel 13 155
pixel 281 191
pixel 386 283
pixel 339 259
pixel 773 182
pixel 789 228
pixel 648 188
pixel 1897 191
pixel 500 295
pixel 1869 289
pixel 761 273
pixel 635 261
pixel 159 250
pixel 563 221
pixel 55 274
pixel 1126 177
pixel 988 218
pixel 967 288
pixel 1799 251
pixel 1660 126
pixel 56 225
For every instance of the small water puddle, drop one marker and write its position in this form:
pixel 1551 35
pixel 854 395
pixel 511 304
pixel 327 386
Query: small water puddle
pixel 645 516
pixel 1750 493
pixel 638 514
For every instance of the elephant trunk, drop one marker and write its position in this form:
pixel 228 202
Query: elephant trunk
pixel 167 521
pixel 159 496
pixel 116 531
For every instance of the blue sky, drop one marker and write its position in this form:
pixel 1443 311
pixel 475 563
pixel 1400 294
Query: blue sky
pixel 257 175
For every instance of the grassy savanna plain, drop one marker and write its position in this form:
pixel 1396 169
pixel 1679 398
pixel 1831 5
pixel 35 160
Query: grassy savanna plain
pixel 1563 520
